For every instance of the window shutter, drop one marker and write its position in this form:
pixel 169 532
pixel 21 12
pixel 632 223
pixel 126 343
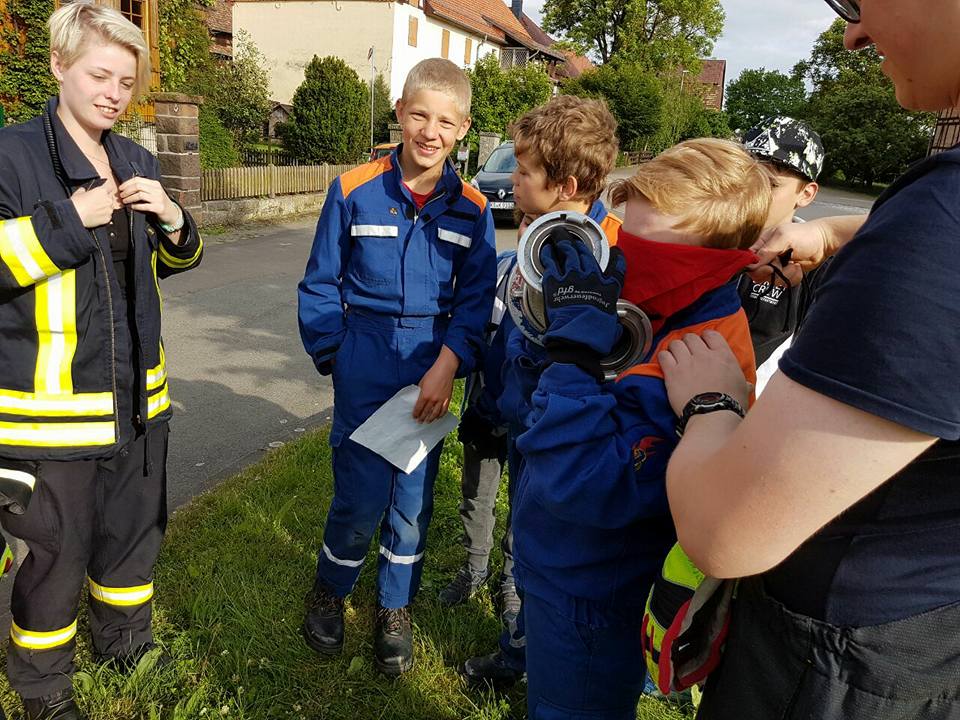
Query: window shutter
pixel 468 51
pixel 412 32
pixel 445 45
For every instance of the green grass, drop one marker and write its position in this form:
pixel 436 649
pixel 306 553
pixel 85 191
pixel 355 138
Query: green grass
pixel 230 583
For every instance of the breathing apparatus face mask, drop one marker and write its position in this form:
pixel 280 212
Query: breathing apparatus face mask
pixel 525 290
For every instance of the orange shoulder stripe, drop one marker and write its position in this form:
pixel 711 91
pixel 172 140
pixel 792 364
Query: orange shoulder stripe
pixel 474 196
pixel 352 179
pixel 611 228
pixel 735 331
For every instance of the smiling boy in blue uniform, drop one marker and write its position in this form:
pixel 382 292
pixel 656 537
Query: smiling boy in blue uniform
pixel 397 291
pixel 591 520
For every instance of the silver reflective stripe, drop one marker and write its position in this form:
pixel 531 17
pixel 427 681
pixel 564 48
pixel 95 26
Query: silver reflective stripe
pixel 455 238
pixel 18 476
pixel 334 559
pixel 401 559
pixel 375 230
pixel 499 308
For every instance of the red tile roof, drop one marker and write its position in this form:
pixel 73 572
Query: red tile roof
pixel 220 16
pixel 535 31
pixel 575 65
pixel 488 17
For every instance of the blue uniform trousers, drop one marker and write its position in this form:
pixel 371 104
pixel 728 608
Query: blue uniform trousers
pixel 380 354
pixel 577 671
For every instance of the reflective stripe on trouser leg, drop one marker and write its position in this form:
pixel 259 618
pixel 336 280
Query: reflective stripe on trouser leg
pixel 361 490
pixel 403 532
pixel 57 528
pixel 126 547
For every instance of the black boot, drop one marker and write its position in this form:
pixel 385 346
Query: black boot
pixel 323 623
pixel 128 662
pixel 55 706
pixel 393 641
pixel 491 669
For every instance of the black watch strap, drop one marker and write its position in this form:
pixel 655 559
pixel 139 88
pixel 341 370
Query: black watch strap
pixel 707 403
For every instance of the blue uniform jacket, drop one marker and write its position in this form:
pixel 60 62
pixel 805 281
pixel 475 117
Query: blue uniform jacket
pixel 591 521
pixel 374 251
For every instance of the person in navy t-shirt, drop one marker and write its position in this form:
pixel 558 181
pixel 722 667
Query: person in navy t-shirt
pixel 838 496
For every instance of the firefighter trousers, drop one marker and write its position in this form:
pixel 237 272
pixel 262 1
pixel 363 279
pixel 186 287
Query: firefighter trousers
pixel 90 522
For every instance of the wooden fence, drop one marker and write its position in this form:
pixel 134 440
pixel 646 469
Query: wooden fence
pixel 267 181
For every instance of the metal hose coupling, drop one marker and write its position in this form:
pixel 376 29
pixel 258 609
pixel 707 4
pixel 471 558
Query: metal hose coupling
pixel 525 293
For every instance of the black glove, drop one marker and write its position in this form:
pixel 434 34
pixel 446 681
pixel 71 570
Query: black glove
pixel 580 302
pixel 481 434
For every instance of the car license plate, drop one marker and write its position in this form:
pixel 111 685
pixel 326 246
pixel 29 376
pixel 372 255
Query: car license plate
pixel 502 205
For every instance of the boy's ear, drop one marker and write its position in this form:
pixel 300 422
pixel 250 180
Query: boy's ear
pixel 464 127
pixel 398 110
pixel 569 188
pixel 808 194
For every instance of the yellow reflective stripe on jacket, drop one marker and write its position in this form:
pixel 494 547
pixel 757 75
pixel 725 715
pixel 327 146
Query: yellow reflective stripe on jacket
pixel 156 280
pixel 157 376
pixel 22 253
pixel 180 263
pixel 156 404
pixel 56 317
pixel 122 596
pixel 79 434
pixel 42 640
pixel 14 402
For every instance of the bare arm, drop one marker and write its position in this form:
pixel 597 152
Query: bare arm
pixel 746 494
pixel 809 243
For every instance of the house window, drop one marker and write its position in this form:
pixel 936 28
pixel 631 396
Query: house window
pixel 133 10
pixel 412 32
pixel 467 51
pixel 445 45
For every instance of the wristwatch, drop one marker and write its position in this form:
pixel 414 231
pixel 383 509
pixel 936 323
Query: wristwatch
pixel 707 402
pixel 176 225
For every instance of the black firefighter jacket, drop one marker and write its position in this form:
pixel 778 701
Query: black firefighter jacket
pixel 65 363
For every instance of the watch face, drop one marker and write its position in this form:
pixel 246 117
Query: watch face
pixel 709 398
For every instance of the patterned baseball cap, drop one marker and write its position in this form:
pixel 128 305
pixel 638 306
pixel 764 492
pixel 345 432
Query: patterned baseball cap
pixel 787 142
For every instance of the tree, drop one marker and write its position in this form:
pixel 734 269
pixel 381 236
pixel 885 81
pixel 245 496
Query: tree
pixel 240 92
pixel 759 94
pixel 501 96
pixel 867 135
pixel 633 95
pixel 25 78
pixel 382 110
pixel 330 119
pixel 660 34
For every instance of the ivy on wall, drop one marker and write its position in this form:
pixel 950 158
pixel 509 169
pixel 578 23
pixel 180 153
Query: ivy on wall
pixel 185 62
pixel 25 79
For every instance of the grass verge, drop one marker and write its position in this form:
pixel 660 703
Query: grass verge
pixel 230 582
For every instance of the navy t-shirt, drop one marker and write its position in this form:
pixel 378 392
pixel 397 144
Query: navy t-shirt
pixel 883 335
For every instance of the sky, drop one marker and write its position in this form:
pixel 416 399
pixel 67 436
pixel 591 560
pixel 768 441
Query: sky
pixel 773 34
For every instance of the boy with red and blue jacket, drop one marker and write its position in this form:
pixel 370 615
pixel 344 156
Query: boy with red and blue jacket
pixel 397 292
pixel 591 519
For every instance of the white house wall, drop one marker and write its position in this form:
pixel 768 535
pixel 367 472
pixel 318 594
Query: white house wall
pixel 290 32
pixel 429 44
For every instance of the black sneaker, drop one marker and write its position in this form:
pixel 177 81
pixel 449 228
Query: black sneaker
pixel 492 670
pixel 464 586
pixel 55 706
pixel 323 623
pixel 393 641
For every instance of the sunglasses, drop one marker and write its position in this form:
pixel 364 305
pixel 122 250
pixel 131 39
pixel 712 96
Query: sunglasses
pixel 849 10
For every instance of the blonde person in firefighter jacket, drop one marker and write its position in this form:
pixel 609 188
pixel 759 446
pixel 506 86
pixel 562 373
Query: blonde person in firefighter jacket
pixel 86 232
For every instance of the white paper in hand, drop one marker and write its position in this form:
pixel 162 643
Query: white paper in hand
pixel 392 433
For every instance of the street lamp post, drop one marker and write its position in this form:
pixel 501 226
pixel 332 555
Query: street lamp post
pixel 676 122
pixel 372 86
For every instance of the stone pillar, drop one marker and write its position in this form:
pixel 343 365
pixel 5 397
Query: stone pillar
pixel 396 132
pixel 178 148
pixel 488 143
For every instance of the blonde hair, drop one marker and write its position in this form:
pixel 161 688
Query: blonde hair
pixel 443 76
pixel 715 187
pixel 77 24
pixel 570 136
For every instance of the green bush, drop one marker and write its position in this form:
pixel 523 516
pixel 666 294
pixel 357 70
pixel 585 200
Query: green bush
pixel 330 121
pixel 216 142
